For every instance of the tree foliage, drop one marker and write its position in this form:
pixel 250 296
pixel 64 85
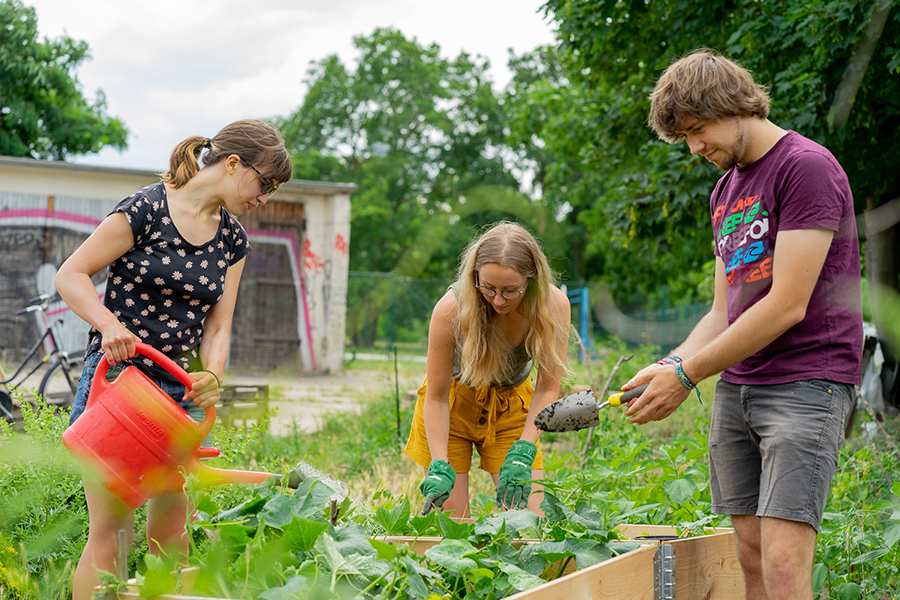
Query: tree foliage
pixel 43 113
pixel 648 218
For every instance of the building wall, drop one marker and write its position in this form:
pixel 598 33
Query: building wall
pixel 48 208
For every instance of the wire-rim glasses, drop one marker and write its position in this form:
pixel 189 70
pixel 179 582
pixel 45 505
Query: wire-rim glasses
pixel 507 294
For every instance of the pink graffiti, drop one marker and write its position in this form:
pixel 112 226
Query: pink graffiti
pixel 340 244
pixel 311 260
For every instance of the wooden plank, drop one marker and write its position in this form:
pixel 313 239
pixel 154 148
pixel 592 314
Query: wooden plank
pixel 707 566
pixel 625 577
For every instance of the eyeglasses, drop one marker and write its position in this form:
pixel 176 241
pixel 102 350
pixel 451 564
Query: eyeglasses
pixel 507 294
pixel 267 187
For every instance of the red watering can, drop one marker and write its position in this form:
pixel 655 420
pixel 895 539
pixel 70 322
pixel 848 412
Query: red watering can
pixel 134 438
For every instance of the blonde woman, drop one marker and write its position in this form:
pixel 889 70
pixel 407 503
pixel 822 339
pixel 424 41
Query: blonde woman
pixel 502 319
pixel 174 254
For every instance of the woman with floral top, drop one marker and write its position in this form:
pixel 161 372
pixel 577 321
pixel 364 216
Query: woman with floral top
pixel 174 252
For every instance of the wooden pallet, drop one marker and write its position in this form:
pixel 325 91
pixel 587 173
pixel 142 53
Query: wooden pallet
pixel 243 406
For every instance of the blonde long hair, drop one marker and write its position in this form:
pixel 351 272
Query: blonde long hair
pixel 485 348
pixel 254 141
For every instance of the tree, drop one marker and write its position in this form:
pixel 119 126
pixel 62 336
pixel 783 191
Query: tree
pixel 43 113
pixel 419 134
pixel 653 199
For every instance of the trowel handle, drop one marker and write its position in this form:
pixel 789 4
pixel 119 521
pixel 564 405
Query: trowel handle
pixel 624 397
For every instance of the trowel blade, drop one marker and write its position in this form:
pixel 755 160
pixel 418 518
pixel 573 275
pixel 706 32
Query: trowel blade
pixel 572 413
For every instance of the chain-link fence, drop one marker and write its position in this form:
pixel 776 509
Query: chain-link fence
pixel 385 311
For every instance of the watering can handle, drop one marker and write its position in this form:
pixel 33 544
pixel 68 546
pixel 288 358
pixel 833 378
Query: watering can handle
pixel 173 368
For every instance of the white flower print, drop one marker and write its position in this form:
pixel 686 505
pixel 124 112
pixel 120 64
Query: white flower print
pixel 204 264
pixel 117 280
pixel 144 333
pixel 148 250
pixel 145 297
pixel 166 260
pixel 159 281
pixel 164 336
pixel 112 294
pixel 138 279
pixel 177 275
pixel 204 280
pixel 166 220
pixel 181 253
pixel 221 264
pixel 167 348
pixel 163 317
pixel 143 271
pixel 172 324
pixel 144 313
pixel 212 287
pixel 189 287
pixel 206 307
pixel 152 308
pixel 191 315
pixel 195 302
pixel 128 287
pixel 177 241
pixel 129 302
pixel 189 264
pixel 130 265
pixel 167 303
pixel 135 322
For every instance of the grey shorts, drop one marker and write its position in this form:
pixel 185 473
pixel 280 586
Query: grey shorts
pixel 773 449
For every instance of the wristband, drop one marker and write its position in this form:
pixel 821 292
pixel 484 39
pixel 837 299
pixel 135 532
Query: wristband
pixel 218 381
pixel 686 382
pixel 670 360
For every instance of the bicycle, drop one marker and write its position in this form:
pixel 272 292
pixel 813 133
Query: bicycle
pixel 59 382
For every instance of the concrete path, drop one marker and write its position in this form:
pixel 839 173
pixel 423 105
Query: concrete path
pixel 302 400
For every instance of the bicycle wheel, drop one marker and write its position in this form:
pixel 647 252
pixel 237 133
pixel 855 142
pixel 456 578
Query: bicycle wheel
pixel 61 380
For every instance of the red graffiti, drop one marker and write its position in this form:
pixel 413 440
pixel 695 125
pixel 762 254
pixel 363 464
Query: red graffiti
pixel 311 260
pixel 340 244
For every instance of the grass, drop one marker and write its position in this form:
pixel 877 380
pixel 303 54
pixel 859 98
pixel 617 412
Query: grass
pixel 652 474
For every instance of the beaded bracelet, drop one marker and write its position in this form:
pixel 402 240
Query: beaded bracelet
pixel 218 381
pixel 669 360
pixel 687 382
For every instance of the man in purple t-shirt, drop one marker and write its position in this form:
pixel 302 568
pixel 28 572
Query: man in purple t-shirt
pixel 785 328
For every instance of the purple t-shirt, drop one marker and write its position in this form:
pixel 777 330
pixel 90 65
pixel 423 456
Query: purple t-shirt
pixel 798 184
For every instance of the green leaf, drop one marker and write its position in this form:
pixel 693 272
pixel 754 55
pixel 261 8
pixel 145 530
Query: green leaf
pixel 892 535
pixel 450 529
pixel 820 572
pixel 870 556
pixel 846 591
pixel 514 521
pixel 519 579
pixel 679 490
pixel 301 533
pixel 384 550
pixel 295 588
pixel 352 539
pixel 394 520
pixel 475 574
pixel 451 555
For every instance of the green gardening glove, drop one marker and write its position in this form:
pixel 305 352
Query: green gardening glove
pixel 437 484
pixel 513 488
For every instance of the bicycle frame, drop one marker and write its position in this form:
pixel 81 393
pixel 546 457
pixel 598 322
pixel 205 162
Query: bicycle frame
pixel 48 333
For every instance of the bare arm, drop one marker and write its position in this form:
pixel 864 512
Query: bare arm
pixel 216 340
pixel 796 265
pixel 111 239
pixel 439 374
pixel 548 381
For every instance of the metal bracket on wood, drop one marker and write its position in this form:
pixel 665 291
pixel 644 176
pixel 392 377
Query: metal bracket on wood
pixel 664 572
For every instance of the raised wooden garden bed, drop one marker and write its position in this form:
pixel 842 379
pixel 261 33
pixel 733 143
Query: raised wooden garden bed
pixel 664 567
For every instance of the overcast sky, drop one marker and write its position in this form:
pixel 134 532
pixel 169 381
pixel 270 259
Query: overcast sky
pixel 171 69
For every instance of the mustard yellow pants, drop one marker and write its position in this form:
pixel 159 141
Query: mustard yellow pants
pixel 488 418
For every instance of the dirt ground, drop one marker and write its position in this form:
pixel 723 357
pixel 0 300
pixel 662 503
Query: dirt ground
pixel 300 401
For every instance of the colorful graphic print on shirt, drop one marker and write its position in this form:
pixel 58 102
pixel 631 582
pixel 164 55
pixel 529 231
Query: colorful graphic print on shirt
pixel 742 239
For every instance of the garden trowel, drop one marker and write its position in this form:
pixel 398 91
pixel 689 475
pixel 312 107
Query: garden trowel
pixel 580 411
